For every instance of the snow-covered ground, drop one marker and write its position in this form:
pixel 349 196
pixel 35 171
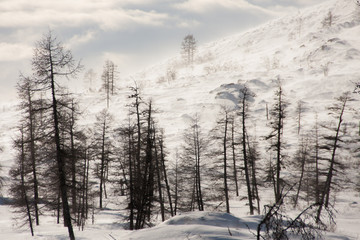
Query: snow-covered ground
pixel 315 63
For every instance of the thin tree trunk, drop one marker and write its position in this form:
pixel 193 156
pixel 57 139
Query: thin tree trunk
pixel 317 185
pixel 22 173
pixel 234 157
pixel 33 157
pixel 246 167
pixel 252 158
pixel 278 150
pixel 60 161
pixel 102 166
pixel 73 165
pixel 131 187
pixel 303 161
pixel 161 200
pixel 176 185
pixel 165 177
pixel 197 152
pixel 226 191
pixel 327 188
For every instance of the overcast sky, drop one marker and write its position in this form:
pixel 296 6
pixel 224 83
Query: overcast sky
pixel 132 33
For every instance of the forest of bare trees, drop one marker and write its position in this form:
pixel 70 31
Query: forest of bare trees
pixel 69 170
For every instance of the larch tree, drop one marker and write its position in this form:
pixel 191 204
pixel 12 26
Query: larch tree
pixel 108 78
pixel 301 160
pixel 334 140
pixel 299 112
pixel 278 114
pixel 221 136
pixel 20 186
pixel 103 149
pixel 233 155
pixel 31 125
pixel 51 63
pixel 246 95
pixel 191 168
pixel 164 171
pixel 188 49
pixel 225 124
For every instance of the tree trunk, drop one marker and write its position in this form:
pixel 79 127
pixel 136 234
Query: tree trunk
pixel 278 150
pixel 165 177
pixel 161 200
pixel 246 167
pixel 131 187
pixel 198 175
pixel 326 193
pixel 234 157
pixel 33 159
pixel 73 162
pixel 22 173
pixel 302 153
pixel 60 161
pixel 102 165
pixel 226 191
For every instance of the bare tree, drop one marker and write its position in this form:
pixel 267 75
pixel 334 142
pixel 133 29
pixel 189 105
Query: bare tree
pixel 222 137
pixel 301 157
pixel 30 125
pixel 299 112
pixel 191 167
pixel 246 95
pixel 337 110
pixel 233 152
pixel 277 125
pixel 328 20
pixel 109 77
pixel 19 187
pixel 104 150
pixel 51 62
pixel 278 225
pixel 188 48
pixel 89 79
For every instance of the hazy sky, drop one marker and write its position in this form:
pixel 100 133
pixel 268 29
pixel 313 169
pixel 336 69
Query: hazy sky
pixel 132 33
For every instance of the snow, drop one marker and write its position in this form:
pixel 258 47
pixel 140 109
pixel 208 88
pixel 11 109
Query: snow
pixel 297 49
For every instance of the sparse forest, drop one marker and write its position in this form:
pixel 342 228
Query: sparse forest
pixel 68 168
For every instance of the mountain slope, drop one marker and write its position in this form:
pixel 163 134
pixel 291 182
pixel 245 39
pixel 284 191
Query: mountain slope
pixel 315 62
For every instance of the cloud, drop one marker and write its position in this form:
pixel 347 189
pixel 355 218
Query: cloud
pixel 12 52
pixel 123 19
pixel 107 15
pixel 308 2
pixel 81 39
pixel 285 3
pixel 203 6
pixel 185 23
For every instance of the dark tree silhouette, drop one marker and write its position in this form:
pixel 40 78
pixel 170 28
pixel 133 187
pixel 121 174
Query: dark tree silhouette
pixel 50 63
pixel 276 136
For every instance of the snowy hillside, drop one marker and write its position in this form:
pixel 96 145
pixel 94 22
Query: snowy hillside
pixel 315 53
pixel 315 62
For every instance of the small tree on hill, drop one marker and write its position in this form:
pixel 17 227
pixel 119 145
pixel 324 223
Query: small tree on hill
pixel 328 20
pixel 188 48
pixel 108 77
